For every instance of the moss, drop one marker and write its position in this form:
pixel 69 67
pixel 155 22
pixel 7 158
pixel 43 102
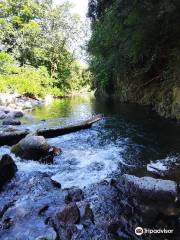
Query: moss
pixel 16 149
pixel 176 103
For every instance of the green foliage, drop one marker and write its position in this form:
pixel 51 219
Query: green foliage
pixel 132 40
pixel 80 77
pixel 6 62
pixel 35 34
pixel 26 81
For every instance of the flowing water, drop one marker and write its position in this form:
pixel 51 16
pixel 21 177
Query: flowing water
pixel 129 135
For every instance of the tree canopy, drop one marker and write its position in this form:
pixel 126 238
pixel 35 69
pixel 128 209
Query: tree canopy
pixel 37 34
pixel 133 39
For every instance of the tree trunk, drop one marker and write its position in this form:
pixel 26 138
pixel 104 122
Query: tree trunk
pixel 10 138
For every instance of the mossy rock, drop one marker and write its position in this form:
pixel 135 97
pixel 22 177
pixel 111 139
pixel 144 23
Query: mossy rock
pixel 16 149
pixel 31 147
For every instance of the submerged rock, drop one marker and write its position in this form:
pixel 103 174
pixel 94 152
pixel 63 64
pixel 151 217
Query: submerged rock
pixel 2 114
pixel 29 229
pixel 168 168
pixel 7 169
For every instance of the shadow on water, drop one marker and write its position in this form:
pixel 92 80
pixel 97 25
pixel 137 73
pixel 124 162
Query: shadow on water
pixel 146 136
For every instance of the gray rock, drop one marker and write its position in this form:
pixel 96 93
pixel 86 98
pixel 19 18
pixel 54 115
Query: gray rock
pixel 31 147
pixel 56 179
pixel 11 122
pixel 34 147
pixel 11 136
pixel 27 105
pixel 18 114
pixel 7 169
pixel 149 188
pixel 74 194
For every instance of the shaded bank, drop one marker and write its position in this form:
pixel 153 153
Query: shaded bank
pixel 134 49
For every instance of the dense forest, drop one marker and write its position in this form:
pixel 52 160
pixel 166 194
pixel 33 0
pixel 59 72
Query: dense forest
pixel 135 49
pixel 38 44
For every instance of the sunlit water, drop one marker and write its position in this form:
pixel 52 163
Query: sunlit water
pixel 128 135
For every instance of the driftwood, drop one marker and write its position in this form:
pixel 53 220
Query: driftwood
pixel 10 138
pixel 54 132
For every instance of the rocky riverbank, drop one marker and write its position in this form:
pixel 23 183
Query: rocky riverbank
pixel 14 106
pixel 18 102
pixel 35 206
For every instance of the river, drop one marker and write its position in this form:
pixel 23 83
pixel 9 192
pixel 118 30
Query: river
pixel 128 137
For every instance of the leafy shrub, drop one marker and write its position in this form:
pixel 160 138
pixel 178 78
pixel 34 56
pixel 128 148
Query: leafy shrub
pixel 27 79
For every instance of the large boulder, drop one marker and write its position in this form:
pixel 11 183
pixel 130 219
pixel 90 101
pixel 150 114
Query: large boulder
pixel 34 147
pixel 148 188
pixel 145 202
pixel 7 169
pixel 31 147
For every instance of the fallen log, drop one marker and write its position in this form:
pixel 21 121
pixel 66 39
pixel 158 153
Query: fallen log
pixel 55 132
pixel 11 138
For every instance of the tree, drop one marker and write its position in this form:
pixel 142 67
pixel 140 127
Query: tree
pixel 134 40
pixel 36 33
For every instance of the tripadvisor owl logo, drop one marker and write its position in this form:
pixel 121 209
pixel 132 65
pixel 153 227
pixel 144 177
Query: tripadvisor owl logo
pixel 139 231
